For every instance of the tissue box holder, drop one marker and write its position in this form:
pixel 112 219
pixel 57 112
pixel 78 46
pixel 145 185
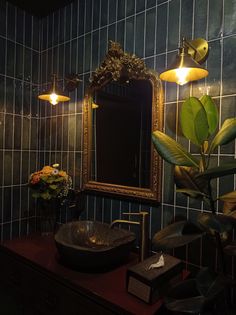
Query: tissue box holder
pixel 150 285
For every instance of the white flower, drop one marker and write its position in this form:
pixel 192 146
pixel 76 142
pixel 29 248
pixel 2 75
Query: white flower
pixel 55 171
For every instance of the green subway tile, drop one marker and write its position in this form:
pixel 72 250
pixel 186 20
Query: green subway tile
pixel 112 11
pixel 2 55
pixel 151 3
pixel 120 32
pixel 28 30
pixel 96 13
pixel 95 49
pixel 68 22
pixel 130 6
pixel 129 38
pixel 3 16
pixel 112 32
pixel 186 18
pixel 81 17
pixel 229 66
pixel 229 17
pixel 161 29
pixel 121 9
pixel 215 18
pixel 87 59
pixel 213 79
pixel 139 35
pixel 11 22
pixel 200 18
pixel 150 32
pixel 140 5
pixel 74 19
pixel 20 25
pixel 104 12
pixel 173 24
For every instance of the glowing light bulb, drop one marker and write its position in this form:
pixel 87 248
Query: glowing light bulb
pixel 53 99
pixel 181 74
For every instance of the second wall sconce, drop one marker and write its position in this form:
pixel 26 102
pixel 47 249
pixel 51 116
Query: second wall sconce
pixel 187 67
pixel 54 95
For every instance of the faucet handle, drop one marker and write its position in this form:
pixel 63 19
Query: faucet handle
pixel 141 213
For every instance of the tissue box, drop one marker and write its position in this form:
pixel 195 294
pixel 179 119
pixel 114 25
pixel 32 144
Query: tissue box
pixel 150 285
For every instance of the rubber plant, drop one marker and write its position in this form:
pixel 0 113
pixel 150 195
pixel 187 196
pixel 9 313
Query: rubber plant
pixel 193 174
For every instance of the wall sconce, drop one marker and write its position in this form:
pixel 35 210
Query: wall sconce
pixel 187 67
pixel 94 105
pixel 54 96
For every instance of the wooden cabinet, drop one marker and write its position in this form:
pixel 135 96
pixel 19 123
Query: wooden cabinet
pixel 31 274
pixel 40 294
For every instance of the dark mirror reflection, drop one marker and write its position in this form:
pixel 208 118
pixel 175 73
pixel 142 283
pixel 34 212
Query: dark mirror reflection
pixel 121 137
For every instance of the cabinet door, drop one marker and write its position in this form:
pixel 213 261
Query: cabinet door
pixel 54 298
pixel 40 294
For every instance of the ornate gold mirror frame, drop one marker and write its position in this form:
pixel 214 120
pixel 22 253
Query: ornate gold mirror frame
pixel 116 65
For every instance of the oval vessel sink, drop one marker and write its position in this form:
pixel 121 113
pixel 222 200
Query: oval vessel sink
pixel 93 246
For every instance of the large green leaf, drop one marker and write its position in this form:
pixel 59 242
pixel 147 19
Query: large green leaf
pixel 45 195
pixel 191 193
pixel 231 215
pixel 211 112
pixel 212 223
pixel 171 151
pixel 229 197
pixel 187 177
pixel 226 134
pixel 35 195
pixel 53 187
pixel 229 207
pixel 219 171
pixel 194 121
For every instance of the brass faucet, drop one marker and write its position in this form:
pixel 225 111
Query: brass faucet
pixel 144 231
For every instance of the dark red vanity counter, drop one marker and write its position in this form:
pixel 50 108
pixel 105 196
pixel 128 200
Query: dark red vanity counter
pixel 106 288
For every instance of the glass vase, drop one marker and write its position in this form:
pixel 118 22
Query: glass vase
pixel 48 216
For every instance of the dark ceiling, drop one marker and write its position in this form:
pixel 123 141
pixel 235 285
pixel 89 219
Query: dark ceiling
pixel 39 7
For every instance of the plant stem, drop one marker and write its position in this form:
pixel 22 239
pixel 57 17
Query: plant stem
pixel 220 252
pixel 211 200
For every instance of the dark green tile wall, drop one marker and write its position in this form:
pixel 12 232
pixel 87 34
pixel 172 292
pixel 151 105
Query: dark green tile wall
pixel 75 39
pixel 19 117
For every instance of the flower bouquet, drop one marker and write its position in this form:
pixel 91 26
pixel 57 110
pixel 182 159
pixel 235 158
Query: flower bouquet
pixel 51 187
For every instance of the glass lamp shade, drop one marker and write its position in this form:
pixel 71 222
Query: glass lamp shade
pixel 184 69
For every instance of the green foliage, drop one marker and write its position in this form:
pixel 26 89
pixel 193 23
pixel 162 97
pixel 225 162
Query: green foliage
pixel 211 112
pixel 171 151
pixel 226 134
pixel 219 171
pixel 194 112
pixel 230 197
pixel 199 120
pixel 49 183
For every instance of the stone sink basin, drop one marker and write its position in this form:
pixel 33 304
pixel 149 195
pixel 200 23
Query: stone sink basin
pixel 93 246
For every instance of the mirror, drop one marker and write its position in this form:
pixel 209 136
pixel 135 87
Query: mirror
pixel 123 105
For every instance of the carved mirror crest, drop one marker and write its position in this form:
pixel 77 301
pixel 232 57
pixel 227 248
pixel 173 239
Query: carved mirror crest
pixel 123 105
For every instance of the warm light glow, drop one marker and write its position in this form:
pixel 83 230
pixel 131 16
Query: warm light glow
pixel 181 75
pixel 186 67
pixel 53 99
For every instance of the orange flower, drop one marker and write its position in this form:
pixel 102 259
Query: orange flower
pixel 45 183
pixel 47 169
pixel 62 173
pixel 35 179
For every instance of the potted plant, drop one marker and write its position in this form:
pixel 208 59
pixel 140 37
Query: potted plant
pixel 193 174
pixel 51 186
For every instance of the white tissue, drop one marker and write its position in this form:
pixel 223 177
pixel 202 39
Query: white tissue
pixel 160 263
